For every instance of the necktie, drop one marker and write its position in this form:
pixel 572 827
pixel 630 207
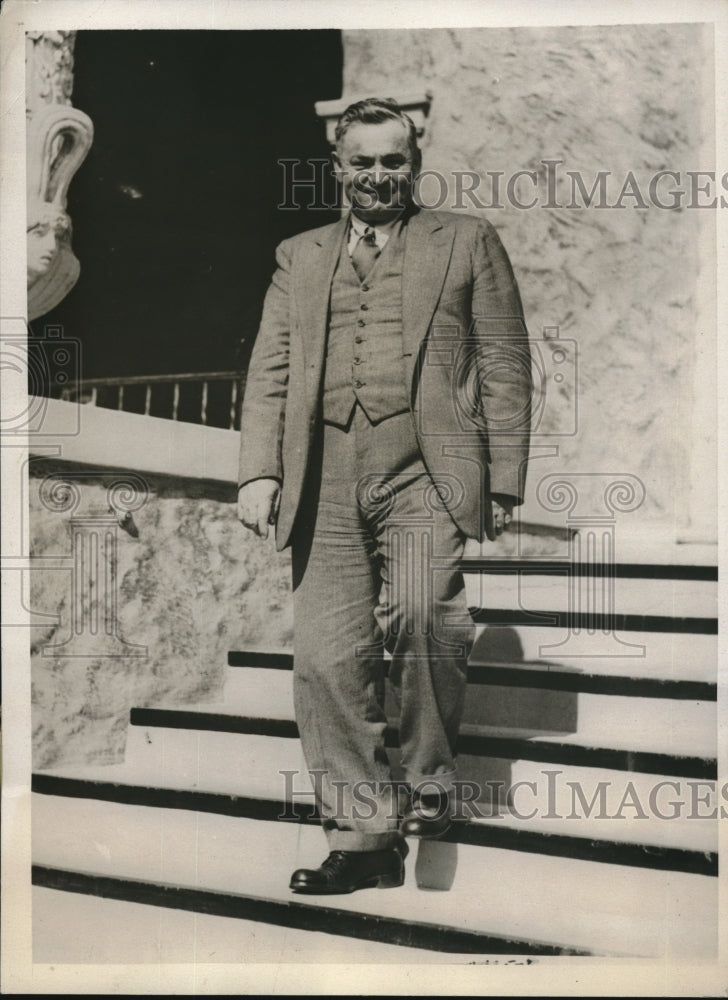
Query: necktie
pixel 365 253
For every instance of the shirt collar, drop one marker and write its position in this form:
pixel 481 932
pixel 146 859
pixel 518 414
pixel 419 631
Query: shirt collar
pixel 385 228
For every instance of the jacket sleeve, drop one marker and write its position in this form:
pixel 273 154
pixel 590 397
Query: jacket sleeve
pixel 264 401
pixel 502 355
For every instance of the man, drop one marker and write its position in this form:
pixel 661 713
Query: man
pixel 385 419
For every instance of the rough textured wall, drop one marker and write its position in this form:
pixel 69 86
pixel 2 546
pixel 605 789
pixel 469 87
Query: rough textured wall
pixel 620 282
pixel 191 586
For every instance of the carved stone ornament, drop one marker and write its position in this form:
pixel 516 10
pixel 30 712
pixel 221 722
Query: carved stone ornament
pixel 49 68
pixel 58 139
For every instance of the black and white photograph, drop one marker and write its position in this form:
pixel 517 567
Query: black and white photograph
pixel 361 497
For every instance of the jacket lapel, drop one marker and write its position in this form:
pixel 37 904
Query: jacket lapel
pixel 426 258
pixel 313 290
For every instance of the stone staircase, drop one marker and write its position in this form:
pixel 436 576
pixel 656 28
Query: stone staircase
pixel 592 832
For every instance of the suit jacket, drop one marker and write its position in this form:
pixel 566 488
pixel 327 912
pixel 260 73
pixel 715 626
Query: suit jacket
pixel 467 361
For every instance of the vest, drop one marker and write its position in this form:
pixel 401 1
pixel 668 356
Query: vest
pixel 364 361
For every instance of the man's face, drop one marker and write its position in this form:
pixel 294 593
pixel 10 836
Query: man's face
pixel 376 168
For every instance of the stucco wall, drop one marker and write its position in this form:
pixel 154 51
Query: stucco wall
pixel 190 583
pixel 621 282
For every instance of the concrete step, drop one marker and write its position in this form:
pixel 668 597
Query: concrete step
pixel 666 657
pixel 259 691
pixel 644 550
pixel 533 592
pixel 71 927
pixel 678 750
pixel 599 803
pixel 349 925
pixel 533 899
pixel 667 725
pixel 681 728
pixel 555 695
pixel 230 765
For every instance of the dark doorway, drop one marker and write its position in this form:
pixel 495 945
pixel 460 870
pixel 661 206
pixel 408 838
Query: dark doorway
pixel 175 208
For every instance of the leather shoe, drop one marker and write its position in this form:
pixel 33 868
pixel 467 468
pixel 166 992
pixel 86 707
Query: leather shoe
pixel 428 817
pixel 347 871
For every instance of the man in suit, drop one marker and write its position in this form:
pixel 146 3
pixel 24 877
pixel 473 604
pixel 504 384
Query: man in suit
pixel 385 419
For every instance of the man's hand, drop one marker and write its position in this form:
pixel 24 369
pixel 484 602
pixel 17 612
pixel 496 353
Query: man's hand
pixel 258 503
pixel 502 512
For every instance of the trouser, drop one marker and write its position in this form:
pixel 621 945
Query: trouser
pixel 377 569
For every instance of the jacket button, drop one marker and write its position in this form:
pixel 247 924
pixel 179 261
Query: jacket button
pixel 365 288
pixel 358 340
pixel 360 322
pixel 364 306
pixel 357 361
pixel 357 383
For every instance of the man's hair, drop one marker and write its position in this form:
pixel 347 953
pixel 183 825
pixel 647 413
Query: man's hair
pixel 374 111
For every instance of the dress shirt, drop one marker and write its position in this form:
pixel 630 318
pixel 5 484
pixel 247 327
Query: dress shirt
pixel 382 231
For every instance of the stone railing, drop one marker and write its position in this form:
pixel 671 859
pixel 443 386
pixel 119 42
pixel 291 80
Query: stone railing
pixel 212 398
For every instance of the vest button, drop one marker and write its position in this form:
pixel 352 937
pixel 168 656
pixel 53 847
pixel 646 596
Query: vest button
pixel 360 322
pixel 357 361
pixel 357 340
pixel 357 383
pixel 365 288
pixel 364 306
